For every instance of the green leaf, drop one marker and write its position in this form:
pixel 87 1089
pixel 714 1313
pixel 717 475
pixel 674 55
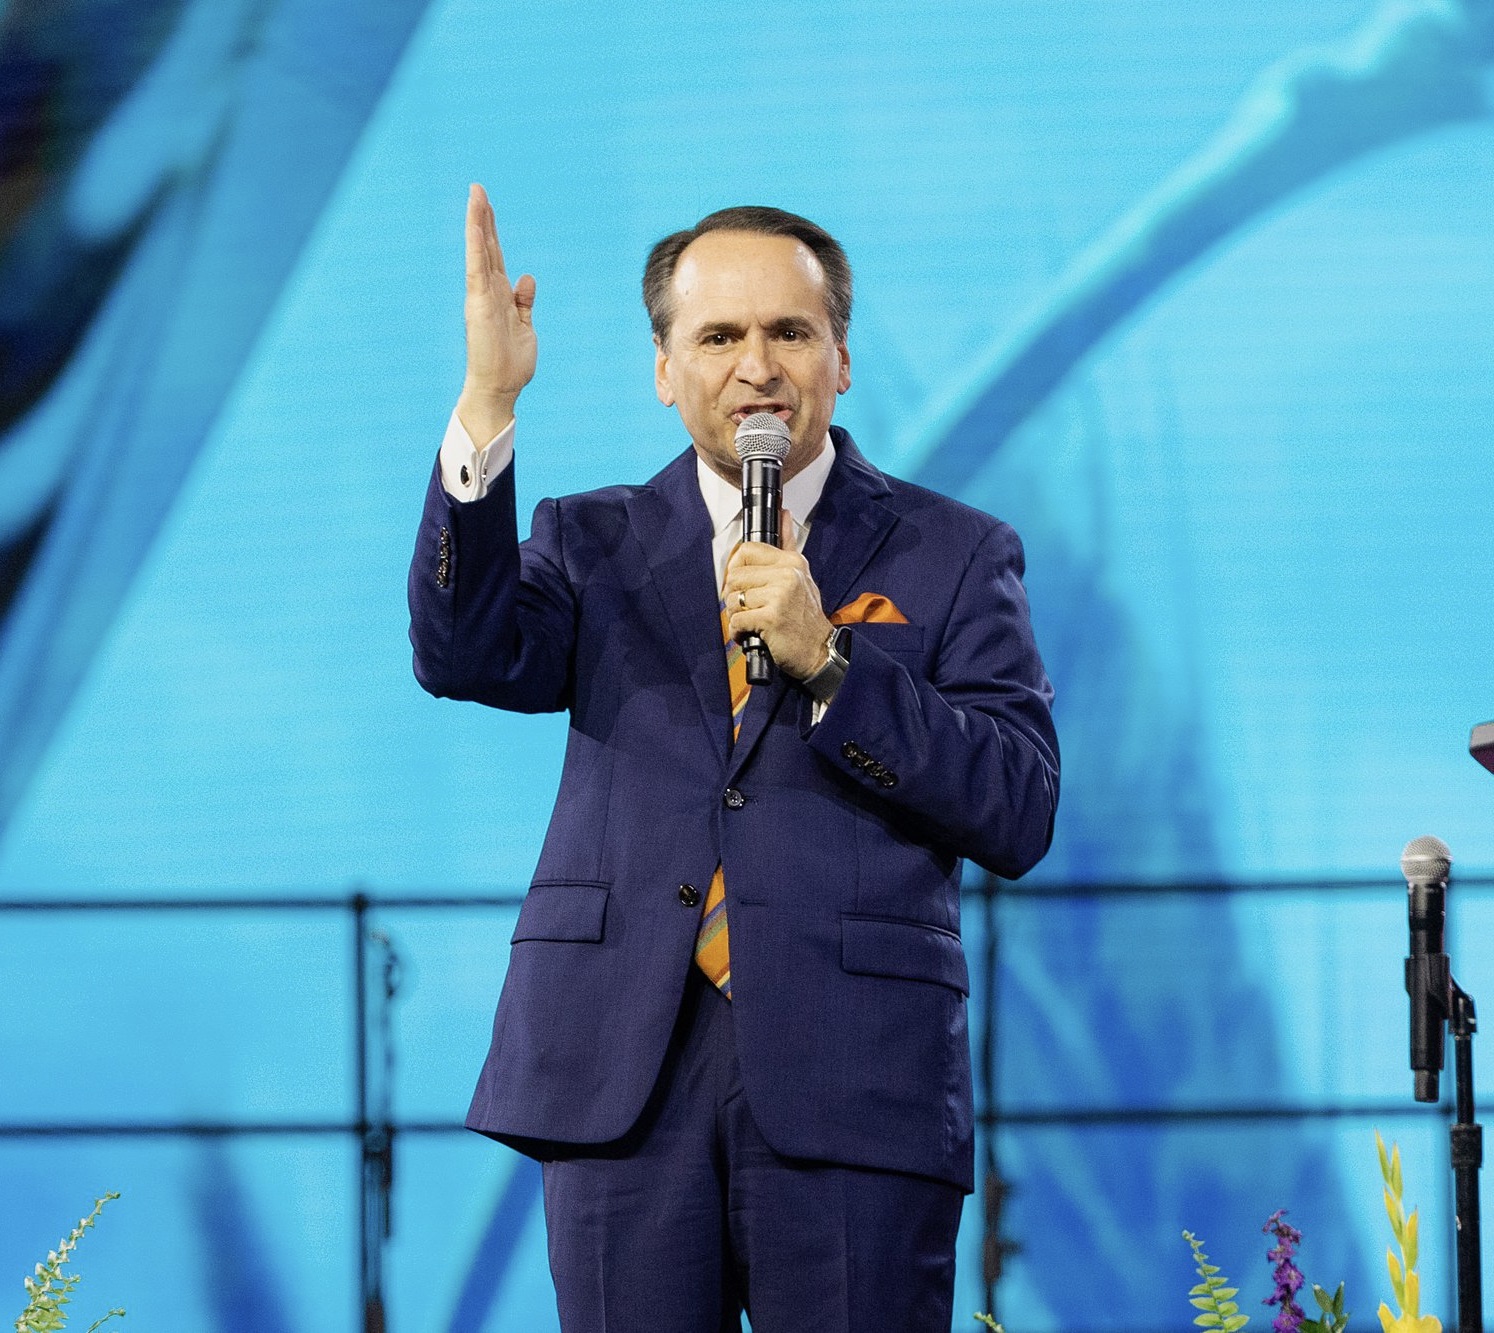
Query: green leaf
pixel 1384 1157
pixel 1202 1302
pixel 1238 1322
pixel 1395 1171
pixel 1224 1293
pixel 1208 1321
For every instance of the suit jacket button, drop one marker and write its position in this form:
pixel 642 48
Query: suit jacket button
pixel 734 799
pixel 888 780
pixel 851 751
pixel 689 895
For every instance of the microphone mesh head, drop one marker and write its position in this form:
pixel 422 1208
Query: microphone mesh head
pixel 1426 860
pixel 762 435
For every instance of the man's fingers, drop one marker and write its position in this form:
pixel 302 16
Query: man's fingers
pixel 767 591
pixel 485 266
pixel 478 215
pixel 758 553
pixel 486 276
pixel 495 249
pixel 524 295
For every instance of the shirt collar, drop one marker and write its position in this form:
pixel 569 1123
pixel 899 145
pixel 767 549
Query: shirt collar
pixel 801 492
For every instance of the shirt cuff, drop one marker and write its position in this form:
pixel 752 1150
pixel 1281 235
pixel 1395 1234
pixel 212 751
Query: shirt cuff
pixel 466 471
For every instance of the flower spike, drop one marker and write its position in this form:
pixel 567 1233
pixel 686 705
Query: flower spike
pixel 1405 1282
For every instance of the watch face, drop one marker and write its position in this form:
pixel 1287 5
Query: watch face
pixel 842 642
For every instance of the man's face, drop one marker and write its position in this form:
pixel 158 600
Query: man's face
pixel 750 333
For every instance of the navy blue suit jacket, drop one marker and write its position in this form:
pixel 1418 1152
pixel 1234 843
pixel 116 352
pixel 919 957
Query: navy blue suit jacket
pixel 841 843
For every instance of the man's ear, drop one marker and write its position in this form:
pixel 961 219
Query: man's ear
pixel 844 382
pixel 661 374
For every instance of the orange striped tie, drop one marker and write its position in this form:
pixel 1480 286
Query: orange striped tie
pixel 712 951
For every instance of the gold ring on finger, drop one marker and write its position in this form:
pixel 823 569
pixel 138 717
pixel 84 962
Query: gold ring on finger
pixel 741 600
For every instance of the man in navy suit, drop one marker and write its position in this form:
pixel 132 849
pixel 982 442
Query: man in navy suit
pixel 733 1026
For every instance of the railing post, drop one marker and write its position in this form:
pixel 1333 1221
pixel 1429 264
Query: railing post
pixel 372 1153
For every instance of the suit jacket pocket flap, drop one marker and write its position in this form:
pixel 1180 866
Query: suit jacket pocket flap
pixel 891 638
pixel 905 949
pixel 562 911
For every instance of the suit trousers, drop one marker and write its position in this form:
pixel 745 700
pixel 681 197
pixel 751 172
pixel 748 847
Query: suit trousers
pixel 691 1218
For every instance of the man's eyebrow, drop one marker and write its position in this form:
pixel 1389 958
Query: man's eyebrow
pixel 776 328
pixel 791 324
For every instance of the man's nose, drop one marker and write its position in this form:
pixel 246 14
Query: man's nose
pixel 757 365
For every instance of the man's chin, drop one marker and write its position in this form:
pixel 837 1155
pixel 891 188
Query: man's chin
pixel 722 460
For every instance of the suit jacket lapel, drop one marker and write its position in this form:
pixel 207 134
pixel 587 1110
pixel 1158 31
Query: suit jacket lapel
pixel 670 521
pixel 850 523
pixel 848 527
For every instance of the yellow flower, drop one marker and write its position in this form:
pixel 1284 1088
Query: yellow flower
pixel 1426 1323
pixel 1405 1282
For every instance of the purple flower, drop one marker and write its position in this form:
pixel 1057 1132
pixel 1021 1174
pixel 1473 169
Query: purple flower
pixel 1286 1275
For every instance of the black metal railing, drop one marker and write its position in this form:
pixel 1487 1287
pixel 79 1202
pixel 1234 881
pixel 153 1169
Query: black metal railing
pixel 376 1129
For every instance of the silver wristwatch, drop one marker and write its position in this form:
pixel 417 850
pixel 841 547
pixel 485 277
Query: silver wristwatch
pixel 824 683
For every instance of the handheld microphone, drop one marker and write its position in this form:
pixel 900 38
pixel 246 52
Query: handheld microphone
pixel 1425 863
pixel 762 443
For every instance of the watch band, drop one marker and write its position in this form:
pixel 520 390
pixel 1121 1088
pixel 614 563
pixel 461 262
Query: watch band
pixel 824 683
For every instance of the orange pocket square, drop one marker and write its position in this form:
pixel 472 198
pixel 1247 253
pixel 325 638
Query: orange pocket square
pixel 870 606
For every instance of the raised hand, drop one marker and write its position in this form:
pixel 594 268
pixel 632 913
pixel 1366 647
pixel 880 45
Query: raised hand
pixel 501 346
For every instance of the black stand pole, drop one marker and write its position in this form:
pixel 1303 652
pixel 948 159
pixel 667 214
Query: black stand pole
pixel 375 1130
pixel 1467 1157
pixel 996 1248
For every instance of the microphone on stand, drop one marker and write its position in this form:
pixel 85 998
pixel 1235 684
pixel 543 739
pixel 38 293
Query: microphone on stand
pixel 1425 864
pixel 762 443
pixel 1437 1001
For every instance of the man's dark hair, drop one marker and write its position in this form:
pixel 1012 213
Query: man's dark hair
pixel 658 272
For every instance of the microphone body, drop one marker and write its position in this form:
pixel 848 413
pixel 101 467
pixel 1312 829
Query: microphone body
pixel 762 443
pixel 1425 864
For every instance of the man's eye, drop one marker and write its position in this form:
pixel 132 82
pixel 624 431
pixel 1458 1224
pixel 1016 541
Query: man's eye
pixel 717 340
pixel 791 335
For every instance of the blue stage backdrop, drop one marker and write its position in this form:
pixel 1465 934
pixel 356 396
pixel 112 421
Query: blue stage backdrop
pixel 1197 298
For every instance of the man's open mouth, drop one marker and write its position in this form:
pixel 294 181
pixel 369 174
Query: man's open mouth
pixel 777 409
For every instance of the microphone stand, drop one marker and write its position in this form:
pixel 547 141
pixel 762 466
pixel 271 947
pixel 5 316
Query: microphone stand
pixel 1437 1003
pixel 376 1130
pixel 1467 1139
